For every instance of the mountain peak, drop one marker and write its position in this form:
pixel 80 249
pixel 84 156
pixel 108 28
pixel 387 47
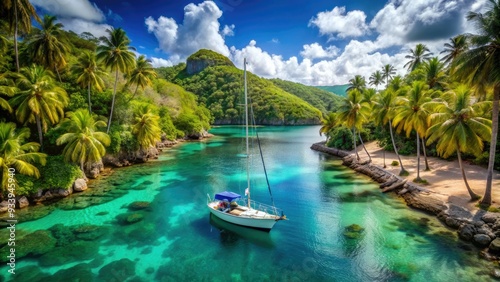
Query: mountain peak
pixel 204 58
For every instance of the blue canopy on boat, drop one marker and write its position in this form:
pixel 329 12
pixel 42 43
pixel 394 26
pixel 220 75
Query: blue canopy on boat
pixel 230 196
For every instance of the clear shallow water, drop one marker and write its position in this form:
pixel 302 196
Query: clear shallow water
pixel 178 241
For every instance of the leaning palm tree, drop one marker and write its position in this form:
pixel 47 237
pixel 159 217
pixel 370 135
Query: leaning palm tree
pixel 383 113
pixel 116 54
pixel 38 100
pixel 142 74
pixel 353 113
pixel 459 128
pixel 480 65
pixel 19 15
pixel 454 48
pixel 411 115
pixel 89 73
pixel 84 143
pixel 15 153
pixel 417 56
pixel 376 79
pixel 328 123
pixel 48 46
pixel 146 128
pixel 358 83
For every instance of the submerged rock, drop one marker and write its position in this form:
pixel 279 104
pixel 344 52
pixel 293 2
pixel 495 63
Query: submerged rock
pixel 129 218
pixel 34 244
pixel 81 272
pixel 88 232
pixel 353 231
pixel 119 270
pixel 74 251
pixel 139 205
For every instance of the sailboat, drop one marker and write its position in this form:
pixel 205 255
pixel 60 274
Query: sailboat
pixel 232 207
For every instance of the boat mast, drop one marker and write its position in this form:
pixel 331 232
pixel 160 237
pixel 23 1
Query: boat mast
pixel 246 128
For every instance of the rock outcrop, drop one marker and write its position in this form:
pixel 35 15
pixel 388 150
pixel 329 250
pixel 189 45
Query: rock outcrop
pixel 205 58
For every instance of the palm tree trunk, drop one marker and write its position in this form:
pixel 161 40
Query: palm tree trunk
pixel 15 36
pixel 112 102
pixel 135 92
pixel 58 75
pixel 383 153
pixel 364 148
pixel 427 168
pixel 39 127
pixel 473 196
pixel 90 104
pixel 354 140
pixel 493 145
pixel 403 170
pixel 418 159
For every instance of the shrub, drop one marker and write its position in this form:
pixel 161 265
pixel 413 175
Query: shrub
pixel 395 163
pixel 340 138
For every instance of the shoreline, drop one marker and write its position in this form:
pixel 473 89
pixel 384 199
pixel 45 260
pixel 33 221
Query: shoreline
pixel 471 223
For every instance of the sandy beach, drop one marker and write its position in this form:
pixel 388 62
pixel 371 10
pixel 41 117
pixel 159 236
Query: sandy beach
pixel 445 177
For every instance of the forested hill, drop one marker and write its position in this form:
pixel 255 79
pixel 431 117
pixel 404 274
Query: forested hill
pixel 220 88
pixel 323 100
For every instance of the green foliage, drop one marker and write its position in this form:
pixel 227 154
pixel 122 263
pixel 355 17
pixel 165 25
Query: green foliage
pixel 56 174
pixel 340 138
pixel 122 139
pixel 188 123
pixel 320 99
pixel 211 58
pixel 220 88
pixel 167 125
pixel 394 163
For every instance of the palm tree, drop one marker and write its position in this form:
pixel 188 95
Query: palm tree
pixel 48 46
pixel 388 71
pixel 7 88
pixel 454 48
pixel 14 153
pixel 435 74
pixel 417 56
pixel 412 115
pixel 85 144
pixel 146 127
pixel 328 123
pixel 480 65
pixel 384 111
pixel 38 100
pixel 396 84
pixel 353 113
pixel 376 78
pixel 457 127
pixel 142 74
pixel 358 83
pixel 116 54
pixel 89 73
pixel 18 14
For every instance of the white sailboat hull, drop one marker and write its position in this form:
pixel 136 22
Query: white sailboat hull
pixel 261 220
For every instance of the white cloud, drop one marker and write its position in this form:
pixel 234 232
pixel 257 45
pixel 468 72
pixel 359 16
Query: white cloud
pixel 82 9
pixel 316 51
pixel 78 26
pixel 337 22
pixel 228 30
pixel 200 29
pixel 159 62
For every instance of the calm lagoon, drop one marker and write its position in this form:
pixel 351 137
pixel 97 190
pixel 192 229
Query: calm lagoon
pixel 340 227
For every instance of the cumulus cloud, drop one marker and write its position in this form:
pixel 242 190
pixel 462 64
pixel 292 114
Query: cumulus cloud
pixel 159 62
pixel 337 23
pixel 78 26
pixel 82 9
pixel 199 29
pixel 228 30
pixel 316 51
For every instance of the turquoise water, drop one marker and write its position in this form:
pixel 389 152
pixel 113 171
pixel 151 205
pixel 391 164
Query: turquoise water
pixel 175 239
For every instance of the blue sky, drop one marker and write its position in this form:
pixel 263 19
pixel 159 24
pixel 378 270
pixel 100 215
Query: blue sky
pixel 307 41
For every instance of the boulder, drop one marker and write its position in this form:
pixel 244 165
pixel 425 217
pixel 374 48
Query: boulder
pixel 23 202
pixel 4 206
pixel 80 185
pixel 64 192
pixel 452 222
pixel 95 169
pixel 482 239
pixel 495 245
pixel 467 231
pixel 490 217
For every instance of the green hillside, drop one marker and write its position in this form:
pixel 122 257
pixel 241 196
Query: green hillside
pixel 320 99
pixel 336 89
pixel 220 89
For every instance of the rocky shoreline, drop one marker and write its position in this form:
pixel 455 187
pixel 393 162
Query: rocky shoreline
pixel 477 226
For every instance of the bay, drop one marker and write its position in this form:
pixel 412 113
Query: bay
pixel 340 226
